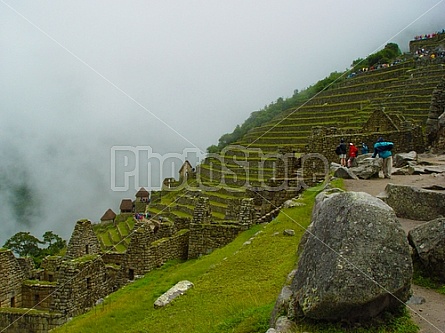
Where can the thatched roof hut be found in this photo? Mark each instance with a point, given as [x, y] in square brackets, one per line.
[126, 206]
[108, 216]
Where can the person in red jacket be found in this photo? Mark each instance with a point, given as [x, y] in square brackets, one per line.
[353, 152]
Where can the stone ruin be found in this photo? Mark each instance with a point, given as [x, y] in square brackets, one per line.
[435, 126]
[405, 135]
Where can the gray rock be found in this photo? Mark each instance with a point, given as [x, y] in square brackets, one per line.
[281, 304]
[414, 203]
[368, 168]
[177, 290]
[428, 241]
[404, 171]
[285, 325]
[356, 262]
[344, 173]
[416, 300]
[402, 159]
[271, 330]
[435, 169]
[289, 232]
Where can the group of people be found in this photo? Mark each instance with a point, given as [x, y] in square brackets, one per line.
[375, 67]
[348, 154]
[428, 36]
[141, 216]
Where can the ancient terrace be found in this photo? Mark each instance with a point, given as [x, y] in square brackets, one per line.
[225, 195]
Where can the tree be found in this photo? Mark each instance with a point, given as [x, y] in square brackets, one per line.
[24, 244]
[55, 243]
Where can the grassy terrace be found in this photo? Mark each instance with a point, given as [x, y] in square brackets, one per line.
[114, 237]
[235, 289]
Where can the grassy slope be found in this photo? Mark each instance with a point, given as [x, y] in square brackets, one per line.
[235, 288]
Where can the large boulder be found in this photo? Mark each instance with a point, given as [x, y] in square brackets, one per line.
[177, 290]
[428, 241]
[345, 173]
[355, 262]
[367, 168]
[414, 203]
[402, 159]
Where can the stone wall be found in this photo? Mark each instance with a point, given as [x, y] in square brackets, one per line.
[205, 238]
[50, 266]
[247, 216]
[11, 277]
[81, 283]
[27, 266]
[83, 241]
[202, 212]
[165, 249]
[29, 321]
[434, 131]
[138, 261]
[233, 209]
[37, 295]
[406, 136]
[429, 44]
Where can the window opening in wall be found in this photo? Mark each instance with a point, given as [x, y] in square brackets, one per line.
[50, 278]
[36, 299]
[88, 283]
[86, 249]
[131, 274]
[12, 302]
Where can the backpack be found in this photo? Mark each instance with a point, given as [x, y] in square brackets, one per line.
[387, 146]
[338, 150]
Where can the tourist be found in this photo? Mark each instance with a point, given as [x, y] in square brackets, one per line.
[341, 152]
[365, 148]
[383, 149]
[353, 151]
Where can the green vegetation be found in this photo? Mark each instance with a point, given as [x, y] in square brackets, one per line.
[114, 236]
[389, 53]
[235, 288]
[26, 245]
[274, 109]
[420, 279]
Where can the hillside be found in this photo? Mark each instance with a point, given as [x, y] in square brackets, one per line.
[346, 102]
[235, 288]
[218, 225]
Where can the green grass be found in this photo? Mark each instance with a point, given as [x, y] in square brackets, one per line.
[420, 279]
[235, 288]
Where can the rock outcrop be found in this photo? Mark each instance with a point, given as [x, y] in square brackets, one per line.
[414, 203]
[177, 290]
[355, 262]
[428, 241]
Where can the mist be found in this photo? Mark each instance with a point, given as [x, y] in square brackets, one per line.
[81, 79]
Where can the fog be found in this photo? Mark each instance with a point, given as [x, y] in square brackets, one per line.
[88, 83]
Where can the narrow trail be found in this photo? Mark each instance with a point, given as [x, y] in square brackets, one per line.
[430, 314]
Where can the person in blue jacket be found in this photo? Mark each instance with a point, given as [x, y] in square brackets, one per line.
[383, 149]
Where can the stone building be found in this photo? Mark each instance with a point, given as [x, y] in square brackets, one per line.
[142, 195]
[83, 241]
[186, 171]
[11, 278]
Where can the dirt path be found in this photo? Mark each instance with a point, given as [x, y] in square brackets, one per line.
[429, 315]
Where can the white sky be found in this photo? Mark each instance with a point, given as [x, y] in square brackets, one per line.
[79, 77]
